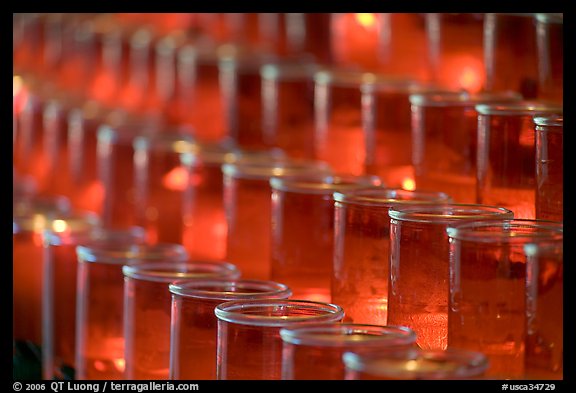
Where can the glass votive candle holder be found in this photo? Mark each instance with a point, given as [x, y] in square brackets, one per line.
[31, 216]
[549, 167]
[506, 157]
[505, 68]
[488, 298]
[248, 204]
[288, 106]
[550, 46]
[302, 246]
[241, 89]
[360, 119]
[249, 345]
[205, 232]
[545, 310]
[60, 291]
[116, 172]
[193, 332]
[416, 364]
[199, 93]
[314, 351]
[361, 263]
[444, 138]
[418, 290]
[162, 185]
[147, 311]
[100, 306]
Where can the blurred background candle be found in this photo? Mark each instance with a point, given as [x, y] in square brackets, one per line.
[288, 106]
[59, 288]
[162, 185]
[549, 42]
[30, 218]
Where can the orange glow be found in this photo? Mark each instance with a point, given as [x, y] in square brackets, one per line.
[120, 364]
[464, 72]
[408, 184]
[103, 87]
[92, 197]
[366, 20]
[176, 179]
[19, 94]
[17, 85]
[59, 226]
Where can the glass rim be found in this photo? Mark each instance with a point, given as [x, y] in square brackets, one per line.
[466, 363]
[114, 254]
[231, 312]
[177, 142]
[168, 272]
[437, 213]
[389, 196]
[545, 230]
[518, 108]
[358, 78]
[205, 289]
[534, 249]
[56, 223]
[346, 334]
[552, 120]
[290, 71]
[462, 98]
[324, 184]
[264, 170]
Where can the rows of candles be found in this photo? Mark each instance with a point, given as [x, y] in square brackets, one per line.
[288, 196]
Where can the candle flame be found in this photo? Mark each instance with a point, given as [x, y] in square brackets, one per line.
[17, 85]
[366, 20]
[408, 184]
[59, 226]
[176, 180]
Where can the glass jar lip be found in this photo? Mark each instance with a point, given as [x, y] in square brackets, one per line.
[325, 184]
[357, 78]
[40, 204]
[220, 289]
[264, 170]
[55, 223]
[444, 364]
[519, 108]
[553, 17]
[108, 252]
[133, 234]
[448, 212]
[348, 334]
[385, 197]
[463, 98]
[225, 152]
[244, 312]
[177, 141]
[124, 133]
[552, 120]
[518, 230]
[290, 70]
[168, 272]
